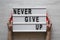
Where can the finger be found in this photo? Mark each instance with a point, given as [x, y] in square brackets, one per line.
[47, 18]
[11, 22]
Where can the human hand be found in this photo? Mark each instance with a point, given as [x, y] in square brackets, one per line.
[10, 25]
[49, 24]
[10, 22]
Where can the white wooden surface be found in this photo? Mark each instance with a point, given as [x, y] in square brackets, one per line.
[53, 10]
